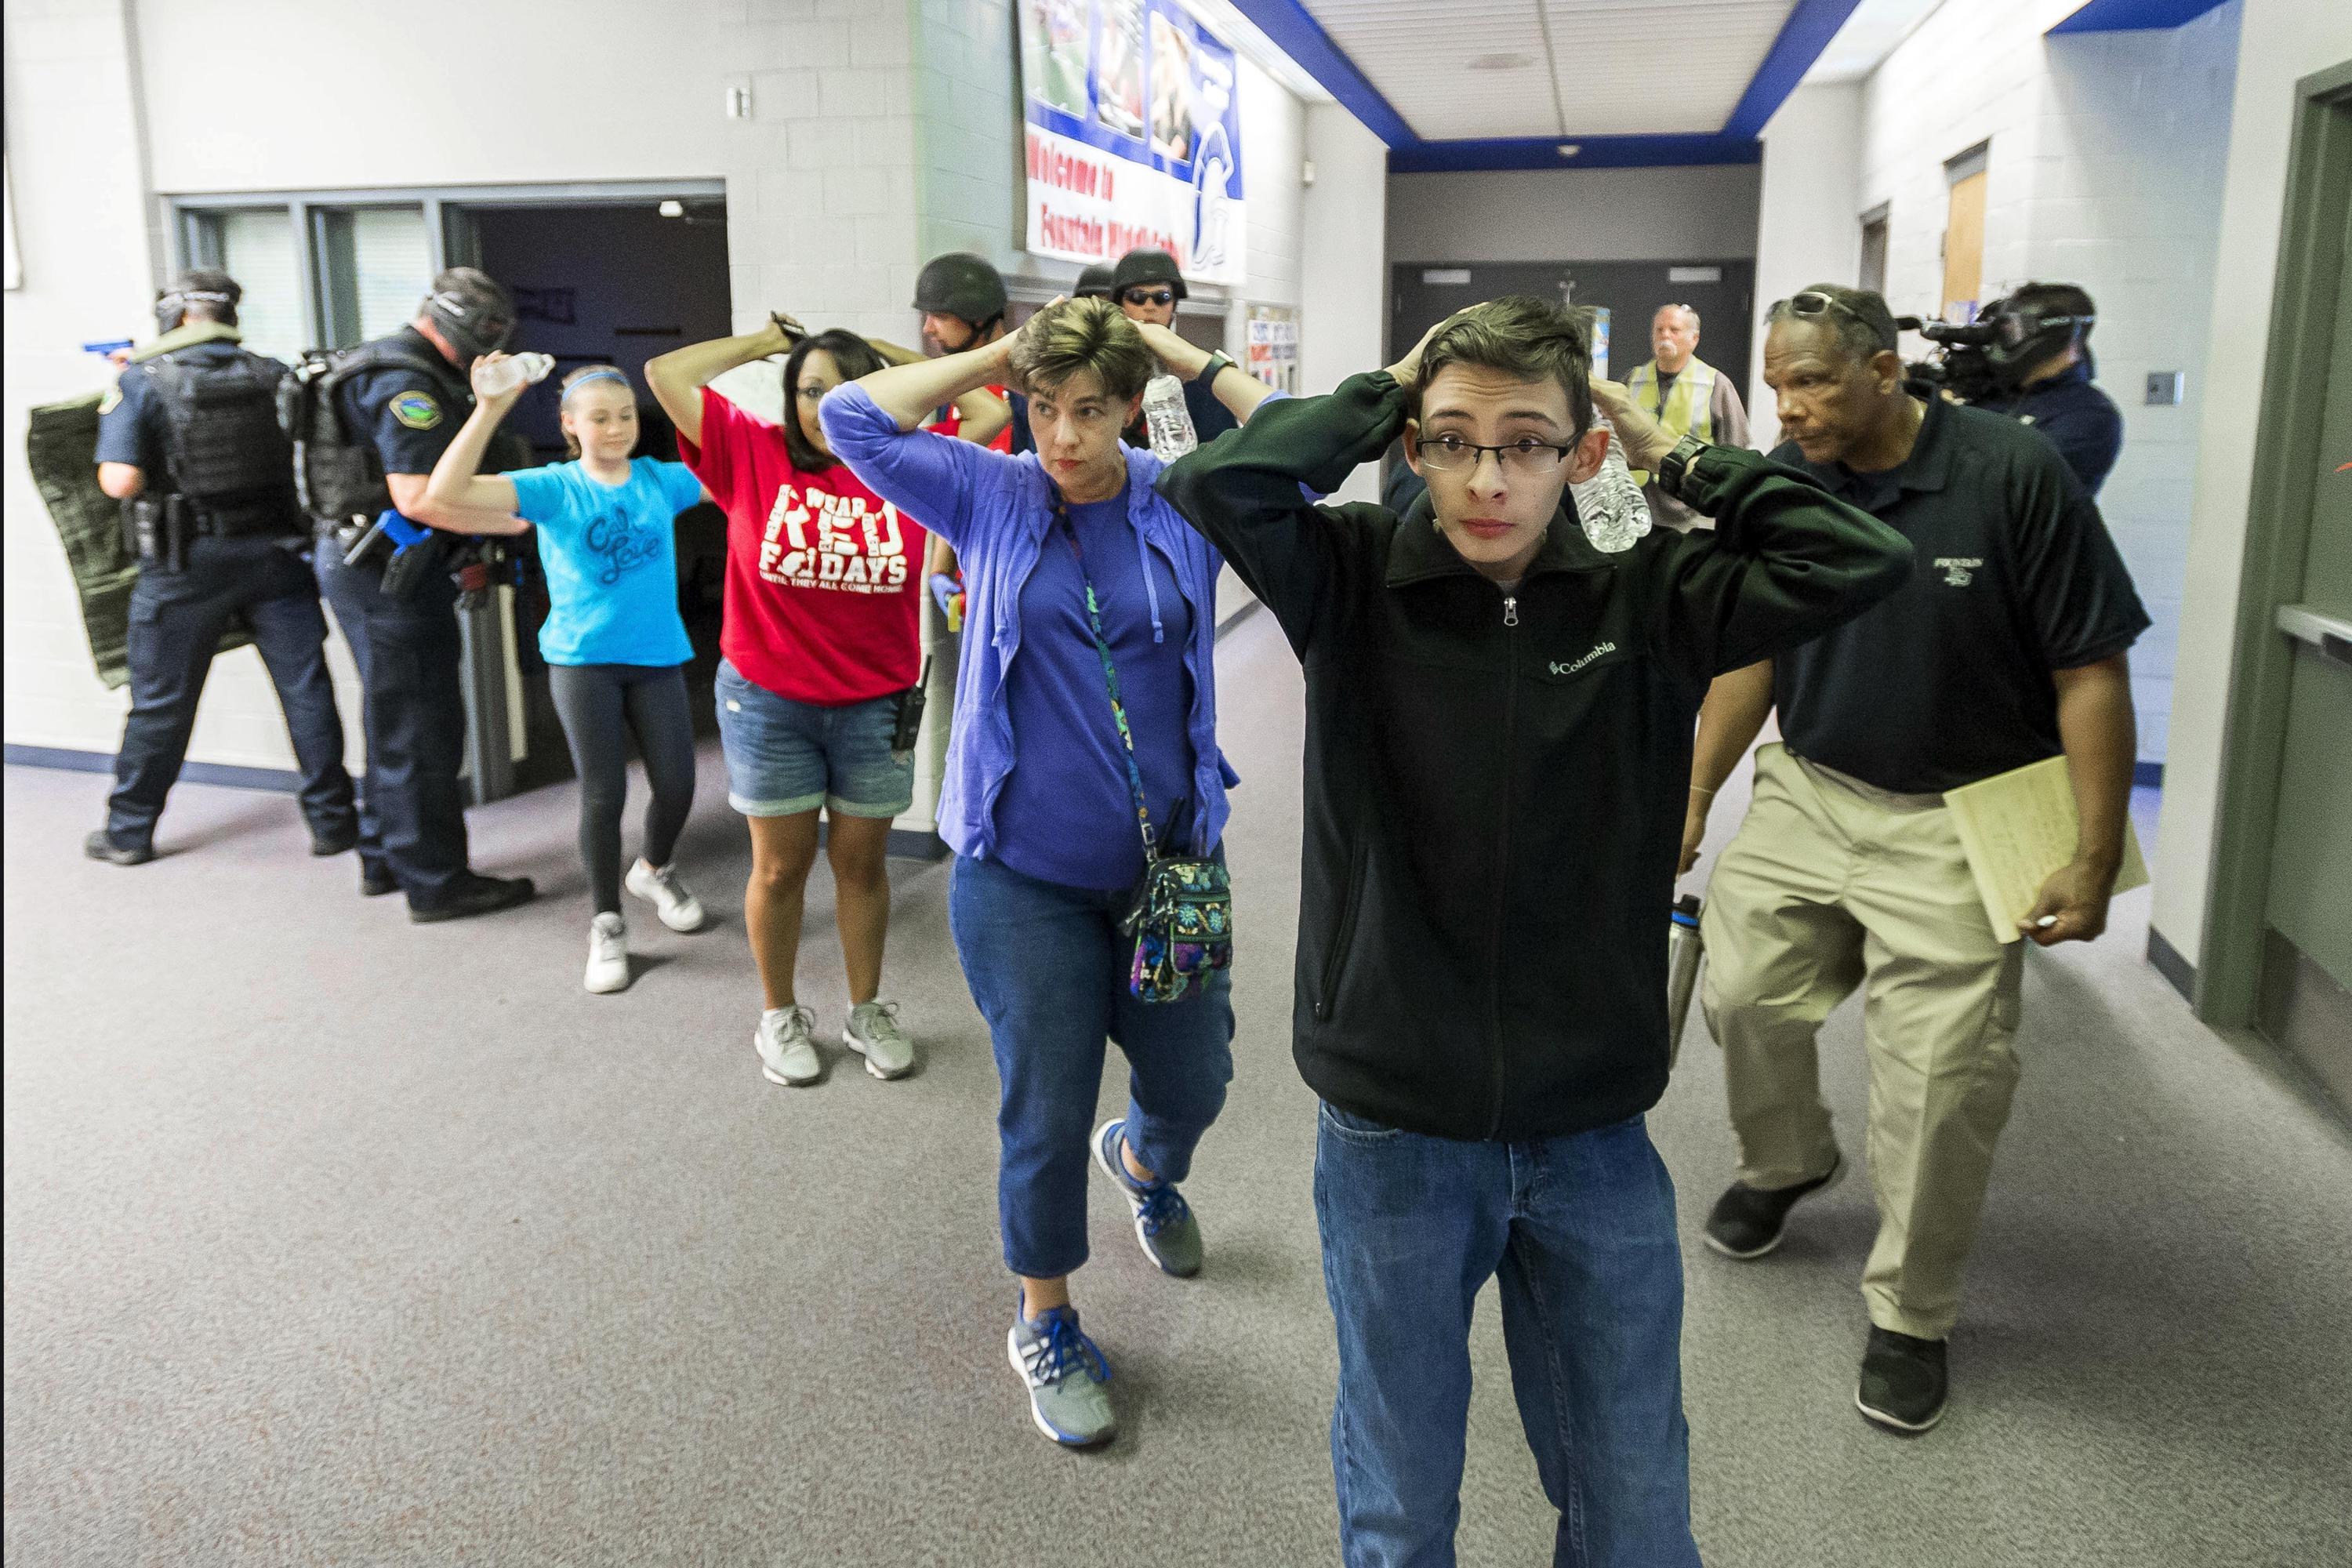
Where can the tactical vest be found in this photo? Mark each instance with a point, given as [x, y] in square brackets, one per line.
[336, 471]
[225, 455]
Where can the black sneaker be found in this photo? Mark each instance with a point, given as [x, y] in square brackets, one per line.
[334, 840]
[376, 879]
[475, 896]
[1903, 1383]
[101, 846]
[1748, 1222]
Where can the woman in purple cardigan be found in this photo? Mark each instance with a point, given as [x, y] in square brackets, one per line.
[1039, 804]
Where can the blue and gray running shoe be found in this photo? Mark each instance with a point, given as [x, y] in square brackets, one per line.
[1066, 1376]
[1164, 1225]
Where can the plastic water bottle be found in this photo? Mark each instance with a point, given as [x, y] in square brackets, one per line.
[1610, 505]
[1166, 420]
[520, 370]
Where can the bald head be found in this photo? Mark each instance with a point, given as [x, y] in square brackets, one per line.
[1673, 337]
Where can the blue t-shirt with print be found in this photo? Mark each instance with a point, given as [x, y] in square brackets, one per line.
[611, 555]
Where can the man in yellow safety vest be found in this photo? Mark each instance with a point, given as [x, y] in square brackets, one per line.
[1688, 396]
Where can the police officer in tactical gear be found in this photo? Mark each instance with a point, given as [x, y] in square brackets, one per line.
[1147, 284]
[2042, 352]
[1096, 282]
[397, 404]
[189, 442]
[964, 303]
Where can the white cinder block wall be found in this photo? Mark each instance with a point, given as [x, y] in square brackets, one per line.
[1344, 269]
[1806, 230]
[881, 132]
[2282, 42]
[2105, 158]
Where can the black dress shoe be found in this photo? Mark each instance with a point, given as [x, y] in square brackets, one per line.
[101, 846]
[376, 880]
[1748, 1222]
[335, 841]
[1903, 1383]
[475, 895]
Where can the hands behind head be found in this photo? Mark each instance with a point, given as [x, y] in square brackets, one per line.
[788, 331]
[1407, 371]
[1184, 360]
[1647, 442]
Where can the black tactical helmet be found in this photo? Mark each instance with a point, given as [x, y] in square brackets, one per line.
[1096, 282]
[215, 289]
[962, 285]
[473, 310]
[1146, 267]
[2029, 326]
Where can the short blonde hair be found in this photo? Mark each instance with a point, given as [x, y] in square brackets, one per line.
[1084, 334]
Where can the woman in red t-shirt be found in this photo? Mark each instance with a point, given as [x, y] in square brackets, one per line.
[821, 643]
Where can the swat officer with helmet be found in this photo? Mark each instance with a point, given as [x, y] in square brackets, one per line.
[964, 302]
[189, 442]
[390, 407]
[1147, 285]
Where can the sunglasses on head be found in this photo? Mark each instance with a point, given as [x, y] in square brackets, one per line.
[1812, 304]
[1148, 297]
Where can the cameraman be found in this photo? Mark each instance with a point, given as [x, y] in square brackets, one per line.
[188, 441]
[2040, 351]
[2006, 648]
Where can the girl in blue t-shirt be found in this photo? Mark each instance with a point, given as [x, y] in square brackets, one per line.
[615, 644]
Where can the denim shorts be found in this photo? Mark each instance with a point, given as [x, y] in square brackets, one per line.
[785, 757]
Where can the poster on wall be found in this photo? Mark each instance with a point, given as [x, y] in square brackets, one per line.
[1133, 115]
[1273, 346]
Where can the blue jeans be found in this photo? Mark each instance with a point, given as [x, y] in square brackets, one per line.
[1580, 1230]
[1048, 966]
[176, 621]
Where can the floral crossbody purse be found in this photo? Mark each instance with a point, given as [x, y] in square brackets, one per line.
[1182, 918]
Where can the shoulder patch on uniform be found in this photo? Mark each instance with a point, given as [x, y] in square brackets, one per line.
[111, 401]
[417, 410]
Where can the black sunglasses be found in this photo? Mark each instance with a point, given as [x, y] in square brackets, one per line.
[1148, 297]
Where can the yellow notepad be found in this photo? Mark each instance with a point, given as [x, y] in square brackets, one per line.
[2020, 826]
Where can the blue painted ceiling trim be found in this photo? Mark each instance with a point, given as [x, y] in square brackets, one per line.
[1591, 153]
[1807, 31]
[1810, 26]
[1298, 35]
[2133, 16]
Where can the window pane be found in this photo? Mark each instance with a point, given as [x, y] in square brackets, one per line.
[376, 268]
[256, 248]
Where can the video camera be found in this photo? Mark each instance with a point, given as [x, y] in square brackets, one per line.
[1991, 355]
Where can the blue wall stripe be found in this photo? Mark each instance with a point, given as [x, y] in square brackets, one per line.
[1298, 35]
[1810, 26]
[2133, 16]
[77, 762]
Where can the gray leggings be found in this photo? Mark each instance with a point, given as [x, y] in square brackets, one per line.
[600, 704]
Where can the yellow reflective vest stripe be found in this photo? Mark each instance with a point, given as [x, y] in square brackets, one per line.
[1689, 409]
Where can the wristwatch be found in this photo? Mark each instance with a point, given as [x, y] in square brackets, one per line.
[1214, 368]
[1677, 463]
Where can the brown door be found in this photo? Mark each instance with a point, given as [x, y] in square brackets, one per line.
[1964, 248]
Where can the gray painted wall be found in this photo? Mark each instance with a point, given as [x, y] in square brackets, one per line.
[1585, 214]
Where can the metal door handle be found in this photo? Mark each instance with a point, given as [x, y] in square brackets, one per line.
[2331, 635]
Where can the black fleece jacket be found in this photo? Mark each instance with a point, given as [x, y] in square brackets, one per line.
[1494, 785]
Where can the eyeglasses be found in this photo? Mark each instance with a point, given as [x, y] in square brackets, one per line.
[1527, 456]
[1148, 297]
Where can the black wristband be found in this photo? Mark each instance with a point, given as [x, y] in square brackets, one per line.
[1214, 368]
[1676, 464]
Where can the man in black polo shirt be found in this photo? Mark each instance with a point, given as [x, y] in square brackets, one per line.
[2006, 646]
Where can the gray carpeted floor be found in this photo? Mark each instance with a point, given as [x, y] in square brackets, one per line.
[330, 1239]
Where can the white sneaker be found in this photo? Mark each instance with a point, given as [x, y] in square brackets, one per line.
[679, 910]
[608, 953]
[873, 1033]
[787, 1053]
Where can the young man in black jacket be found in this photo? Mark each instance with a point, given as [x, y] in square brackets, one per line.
[1499, 724]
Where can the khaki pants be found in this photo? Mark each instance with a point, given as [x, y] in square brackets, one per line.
[1825, 887]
